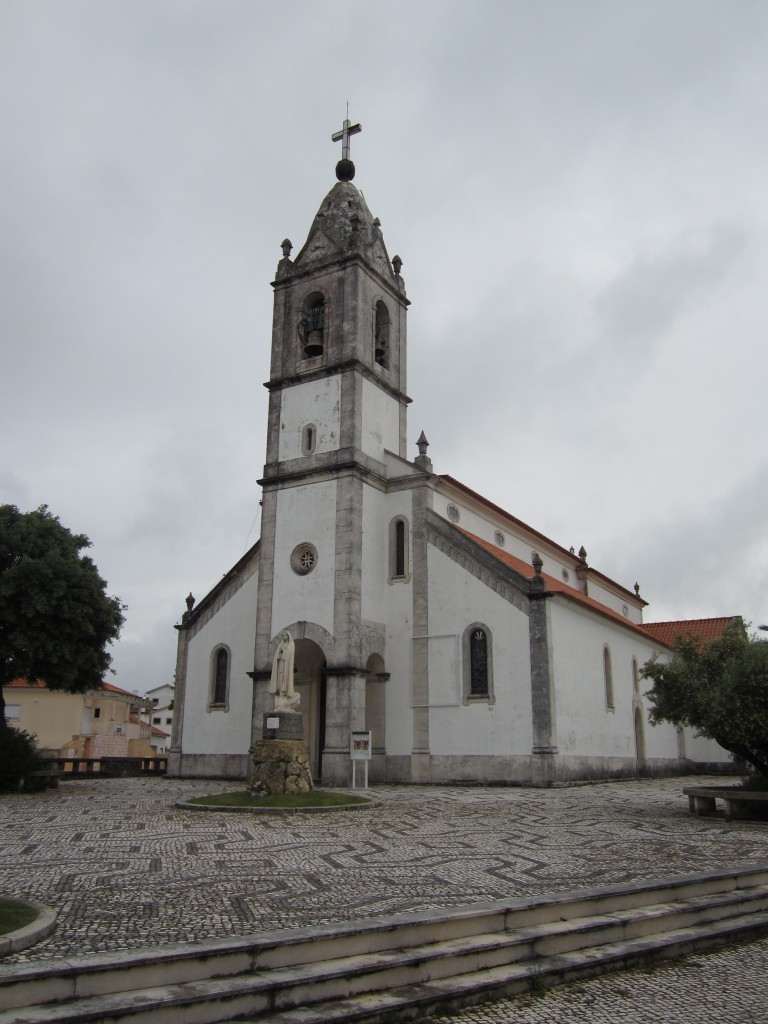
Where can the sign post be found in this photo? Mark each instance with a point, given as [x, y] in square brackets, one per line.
[359, 750]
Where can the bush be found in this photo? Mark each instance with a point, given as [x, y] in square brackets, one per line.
[18, 757]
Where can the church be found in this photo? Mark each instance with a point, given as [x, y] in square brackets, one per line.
[471, 647]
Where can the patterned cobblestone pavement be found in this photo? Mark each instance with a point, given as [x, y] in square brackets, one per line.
[125, 868]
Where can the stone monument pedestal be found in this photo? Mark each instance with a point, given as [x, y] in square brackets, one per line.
[280, 759]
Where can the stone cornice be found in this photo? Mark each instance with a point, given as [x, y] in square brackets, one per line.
[331, 369]
[508, 584]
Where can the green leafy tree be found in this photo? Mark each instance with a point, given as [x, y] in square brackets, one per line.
[719, 688]
[56, 618]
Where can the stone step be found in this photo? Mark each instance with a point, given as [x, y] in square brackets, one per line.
[248, 977]
[415, 1002]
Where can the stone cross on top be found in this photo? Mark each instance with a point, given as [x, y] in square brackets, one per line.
[347, 130]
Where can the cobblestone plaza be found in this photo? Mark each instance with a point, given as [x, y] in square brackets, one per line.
[125, 868]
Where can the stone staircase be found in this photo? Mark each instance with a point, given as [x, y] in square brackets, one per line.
[397, 968]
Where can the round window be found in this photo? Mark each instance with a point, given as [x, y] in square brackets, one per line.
[304, 558]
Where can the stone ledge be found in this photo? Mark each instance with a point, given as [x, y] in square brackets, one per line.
[256, 809]
[36, 931]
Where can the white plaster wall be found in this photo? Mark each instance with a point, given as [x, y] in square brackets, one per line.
[517, 541]
[617, 602]
[305, 514]
[218, 731]
[390, 603]
[699, 748]
[379, 510]
[585, 726]
[381, 421]
[457, 599]
[317, 402]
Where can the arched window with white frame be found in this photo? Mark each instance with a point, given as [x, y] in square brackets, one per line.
[477, 664]
[219, 682]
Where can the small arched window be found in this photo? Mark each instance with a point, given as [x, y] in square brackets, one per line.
[399, 568]
[382, 326]
[308, 439]
[312, 326]
[635, 678]
[219, 689]
[608, 678]
[477, 651]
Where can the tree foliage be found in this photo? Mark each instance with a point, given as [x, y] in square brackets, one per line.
[719, 688]
[56, 618]
[19, 755]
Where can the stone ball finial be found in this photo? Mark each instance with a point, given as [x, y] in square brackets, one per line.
[397, 264]
[345, 170]
[286, 245]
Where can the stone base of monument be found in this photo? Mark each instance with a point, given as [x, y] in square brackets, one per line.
[282, 766]
[280, 760]
[283, 725]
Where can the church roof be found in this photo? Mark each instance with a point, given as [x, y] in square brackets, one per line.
[556, 586]
[569, 555]
[703, 629]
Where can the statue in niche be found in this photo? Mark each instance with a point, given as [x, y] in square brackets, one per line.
[281, 680]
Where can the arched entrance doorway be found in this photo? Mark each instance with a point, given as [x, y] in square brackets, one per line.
[309, 682]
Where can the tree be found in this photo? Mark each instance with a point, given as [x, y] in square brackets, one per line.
[56, 619]
[719, 688]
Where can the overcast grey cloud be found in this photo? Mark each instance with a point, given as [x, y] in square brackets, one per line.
[577, 191]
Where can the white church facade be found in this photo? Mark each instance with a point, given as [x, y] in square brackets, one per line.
[472, 647]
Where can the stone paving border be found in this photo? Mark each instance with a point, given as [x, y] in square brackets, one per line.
[256, 809]
[127, 869]
[35, 931]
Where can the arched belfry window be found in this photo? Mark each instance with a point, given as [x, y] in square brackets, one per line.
[608, 678]
[219, 687]
[399, 567]
[312, 326]
[477, 658]
[382, 325]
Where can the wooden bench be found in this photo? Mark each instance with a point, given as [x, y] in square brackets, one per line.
[738, 802]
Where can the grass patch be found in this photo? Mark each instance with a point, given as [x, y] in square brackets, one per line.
[14, 915]
[316, 798]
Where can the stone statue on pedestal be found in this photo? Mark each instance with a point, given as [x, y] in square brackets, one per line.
[281, 681]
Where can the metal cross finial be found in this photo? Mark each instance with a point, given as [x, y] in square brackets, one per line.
[347, 130]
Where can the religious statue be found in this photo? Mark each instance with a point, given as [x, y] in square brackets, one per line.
[281, 680]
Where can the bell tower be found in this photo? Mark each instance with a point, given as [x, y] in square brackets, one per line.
[337, 406]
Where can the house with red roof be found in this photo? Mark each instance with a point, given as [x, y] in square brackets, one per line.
[469, 645]
[97, 723]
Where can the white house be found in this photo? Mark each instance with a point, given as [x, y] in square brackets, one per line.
[474, 648]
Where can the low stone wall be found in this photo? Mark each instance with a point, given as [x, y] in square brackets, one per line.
[282, 766]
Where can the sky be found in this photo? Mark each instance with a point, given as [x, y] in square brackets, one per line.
[577, 191]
